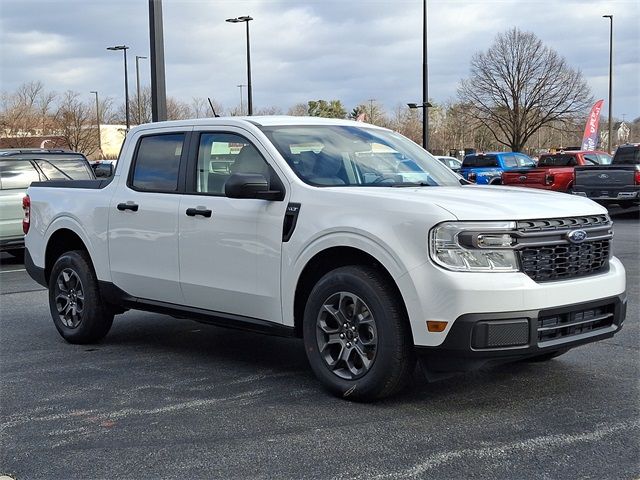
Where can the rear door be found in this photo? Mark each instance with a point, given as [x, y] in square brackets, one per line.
[143, 218]
[230, 248]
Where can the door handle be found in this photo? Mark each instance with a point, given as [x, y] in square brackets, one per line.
[128, 206]
[192, 212]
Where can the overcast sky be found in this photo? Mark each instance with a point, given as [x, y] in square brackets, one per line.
[352, 50]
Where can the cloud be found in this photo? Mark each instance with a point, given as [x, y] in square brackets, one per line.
[307, 49]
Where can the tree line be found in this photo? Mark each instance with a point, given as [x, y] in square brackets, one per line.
[520, 94]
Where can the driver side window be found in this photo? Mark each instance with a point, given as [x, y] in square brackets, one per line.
[221, 155]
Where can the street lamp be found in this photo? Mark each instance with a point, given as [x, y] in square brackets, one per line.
[425, 123]
[98, 120]
[610, 17]
[425, 80]
[124, 49]
[241, 106]
[246, 19]
[138, 57]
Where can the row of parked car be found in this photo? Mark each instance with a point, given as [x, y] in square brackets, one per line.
[593, 174]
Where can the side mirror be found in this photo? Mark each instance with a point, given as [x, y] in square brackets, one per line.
[250, 185]
[103, 170]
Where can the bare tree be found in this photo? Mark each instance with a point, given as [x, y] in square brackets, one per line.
[75, 124]
[519, 85]
[272, 110]
[200, 108]
[408, 122]
[24, 113]
[298, 110]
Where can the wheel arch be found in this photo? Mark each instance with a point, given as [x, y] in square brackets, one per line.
[61, 241]
[329, 259]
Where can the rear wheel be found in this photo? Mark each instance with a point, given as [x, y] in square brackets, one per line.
[77, 309]
[356, 335]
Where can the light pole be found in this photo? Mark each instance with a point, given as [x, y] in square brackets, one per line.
[610, 17]
[138, 57]
[241, 106]
[246, 19]
[425, 123]
[124, 49]
[98, 120]
[425, 81]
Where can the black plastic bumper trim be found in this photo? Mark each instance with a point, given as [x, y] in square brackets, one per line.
[34, 271]
[457, 353]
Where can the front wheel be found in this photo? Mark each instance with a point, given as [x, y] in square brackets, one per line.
[77, 309]
[357, 336]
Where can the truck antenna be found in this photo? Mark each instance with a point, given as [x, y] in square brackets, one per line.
[212, 109]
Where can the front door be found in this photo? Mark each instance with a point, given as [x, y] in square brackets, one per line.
[230, 248]
[143, 219]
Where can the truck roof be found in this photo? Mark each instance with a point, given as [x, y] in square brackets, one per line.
[260, 121]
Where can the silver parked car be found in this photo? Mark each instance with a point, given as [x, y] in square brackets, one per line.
[20, 167]
[451, 162]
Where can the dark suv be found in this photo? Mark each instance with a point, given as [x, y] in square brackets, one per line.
[20, 167]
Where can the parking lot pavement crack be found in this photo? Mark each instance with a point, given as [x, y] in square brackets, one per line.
[531, 445]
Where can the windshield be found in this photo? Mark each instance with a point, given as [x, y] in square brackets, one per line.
[65, 169]
[332, 155]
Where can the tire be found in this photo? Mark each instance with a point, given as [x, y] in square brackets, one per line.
[375, 356]
[545, 357]
[77, 309]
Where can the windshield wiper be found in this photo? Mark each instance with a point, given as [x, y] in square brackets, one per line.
[412, 184]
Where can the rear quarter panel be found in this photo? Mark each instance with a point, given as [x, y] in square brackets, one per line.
[83, 211]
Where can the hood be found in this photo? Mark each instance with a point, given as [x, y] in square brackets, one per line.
[473, 202]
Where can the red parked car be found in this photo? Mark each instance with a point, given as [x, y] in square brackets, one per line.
[555, 171]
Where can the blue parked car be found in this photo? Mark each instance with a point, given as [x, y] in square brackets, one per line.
[487, 168]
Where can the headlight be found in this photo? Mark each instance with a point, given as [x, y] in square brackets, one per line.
[474, 246]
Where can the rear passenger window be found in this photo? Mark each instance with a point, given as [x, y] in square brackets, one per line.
[480, 161]
[157, 163]
[17, 174]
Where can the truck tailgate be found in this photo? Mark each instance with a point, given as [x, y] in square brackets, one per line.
[525, 177]
[604, 177]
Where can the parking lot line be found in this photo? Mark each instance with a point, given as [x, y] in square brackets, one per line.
[13, 271]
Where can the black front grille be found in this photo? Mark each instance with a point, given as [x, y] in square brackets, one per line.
[568, 223]
[556, 262]
[554, 327]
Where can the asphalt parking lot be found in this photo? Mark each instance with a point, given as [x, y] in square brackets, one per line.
[167, 398]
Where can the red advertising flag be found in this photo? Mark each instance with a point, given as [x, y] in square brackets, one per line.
[590, 137]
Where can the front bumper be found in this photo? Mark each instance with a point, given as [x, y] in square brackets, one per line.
[476, 340]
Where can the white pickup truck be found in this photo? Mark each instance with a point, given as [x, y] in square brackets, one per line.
[345, 234]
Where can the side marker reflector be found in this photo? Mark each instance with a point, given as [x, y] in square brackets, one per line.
[434, 326]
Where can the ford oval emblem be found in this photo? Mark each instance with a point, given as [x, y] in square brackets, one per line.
[577, 236]
[522, 178]
[603, 176]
